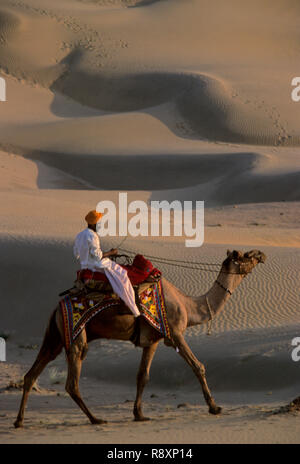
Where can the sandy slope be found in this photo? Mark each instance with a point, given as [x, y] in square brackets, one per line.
[245, 382]
[248, 357]
[166, 100]
[223, 87]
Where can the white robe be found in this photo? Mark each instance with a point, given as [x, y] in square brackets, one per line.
[87, 249]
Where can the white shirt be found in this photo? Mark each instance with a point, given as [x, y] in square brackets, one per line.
[87, 249]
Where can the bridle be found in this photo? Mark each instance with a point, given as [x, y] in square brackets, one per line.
[224, 288]
[242, 272]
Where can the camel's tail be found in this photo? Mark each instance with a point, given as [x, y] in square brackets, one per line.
[52, 339]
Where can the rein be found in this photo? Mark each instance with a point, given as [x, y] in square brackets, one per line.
[211, 317]
[183, 264]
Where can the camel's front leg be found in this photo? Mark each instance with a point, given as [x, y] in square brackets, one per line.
[199, 370]
[142, 379]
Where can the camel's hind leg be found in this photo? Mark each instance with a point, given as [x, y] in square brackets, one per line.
[50, 349]
[75, 357]
[142, 379]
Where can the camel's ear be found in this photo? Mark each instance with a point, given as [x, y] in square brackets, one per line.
[237, 254]
[228, 252]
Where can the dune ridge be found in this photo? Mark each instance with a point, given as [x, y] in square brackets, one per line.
[211, 106]
[121, 3]
[166, 100]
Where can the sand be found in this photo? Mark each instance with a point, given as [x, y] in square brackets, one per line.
[165, 100]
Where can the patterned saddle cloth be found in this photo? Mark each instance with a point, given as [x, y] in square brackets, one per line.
[78, 310]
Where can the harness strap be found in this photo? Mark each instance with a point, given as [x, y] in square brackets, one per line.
[224, 288]
[211, 317]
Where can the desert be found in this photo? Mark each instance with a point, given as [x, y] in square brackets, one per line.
[175, 100]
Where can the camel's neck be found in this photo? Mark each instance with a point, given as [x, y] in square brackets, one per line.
[202, 309]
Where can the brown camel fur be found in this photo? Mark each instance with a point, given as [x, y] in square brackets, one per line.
[118, 323]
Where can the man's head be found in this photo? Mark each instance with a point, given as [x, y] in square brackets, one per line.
[92, 218]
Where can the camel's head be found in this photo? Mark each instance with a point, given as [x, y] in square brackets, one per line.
[242, 263]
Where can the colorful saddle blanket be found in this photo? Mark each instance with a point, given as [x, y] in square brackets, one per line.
[77, 311]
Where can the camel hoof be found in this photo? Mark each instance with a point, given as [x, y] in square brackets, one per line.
[215, 410]
[98, 421]
[18, 424]
[141, 419]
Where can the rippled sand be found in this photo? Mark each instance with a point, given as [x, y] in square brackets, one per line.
[165, 100]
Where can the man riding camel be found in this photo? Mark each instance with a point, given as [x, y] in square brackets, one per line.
[87, 249]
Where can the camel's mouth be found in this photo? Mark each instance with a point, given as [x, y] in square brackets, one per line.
[243, 263]
[256, 254]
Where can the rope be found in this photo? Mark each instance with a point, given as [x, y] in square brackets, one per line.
[178, 262]
[209, 324]
[121, 243]
[181, 263]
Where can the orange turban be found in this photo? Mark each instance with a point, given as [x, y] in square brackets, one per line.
[93, 217]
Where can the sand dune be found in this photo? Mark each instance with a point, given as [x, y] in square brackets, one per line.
[121, 3]
[52, 130]
[268, 298]
[207, 105]
[167, 100]
[9, 23]
[213, 104]
[214, 178]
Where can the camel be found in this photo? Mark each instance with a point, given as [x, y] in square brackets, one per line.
[118, 323]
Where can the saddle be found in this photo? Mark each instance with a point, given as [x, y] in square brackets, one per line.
[93, 293]
[141, 274]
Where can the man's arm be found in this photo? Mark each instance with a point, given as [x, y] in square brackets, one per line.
[76, 251]
[112, 252]
[96, 251]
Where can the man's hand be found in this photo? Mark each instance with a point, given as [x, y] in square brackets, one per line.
[113, 252]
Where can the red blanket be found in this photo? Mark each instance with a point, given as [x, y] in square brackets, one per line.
[138, 272]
